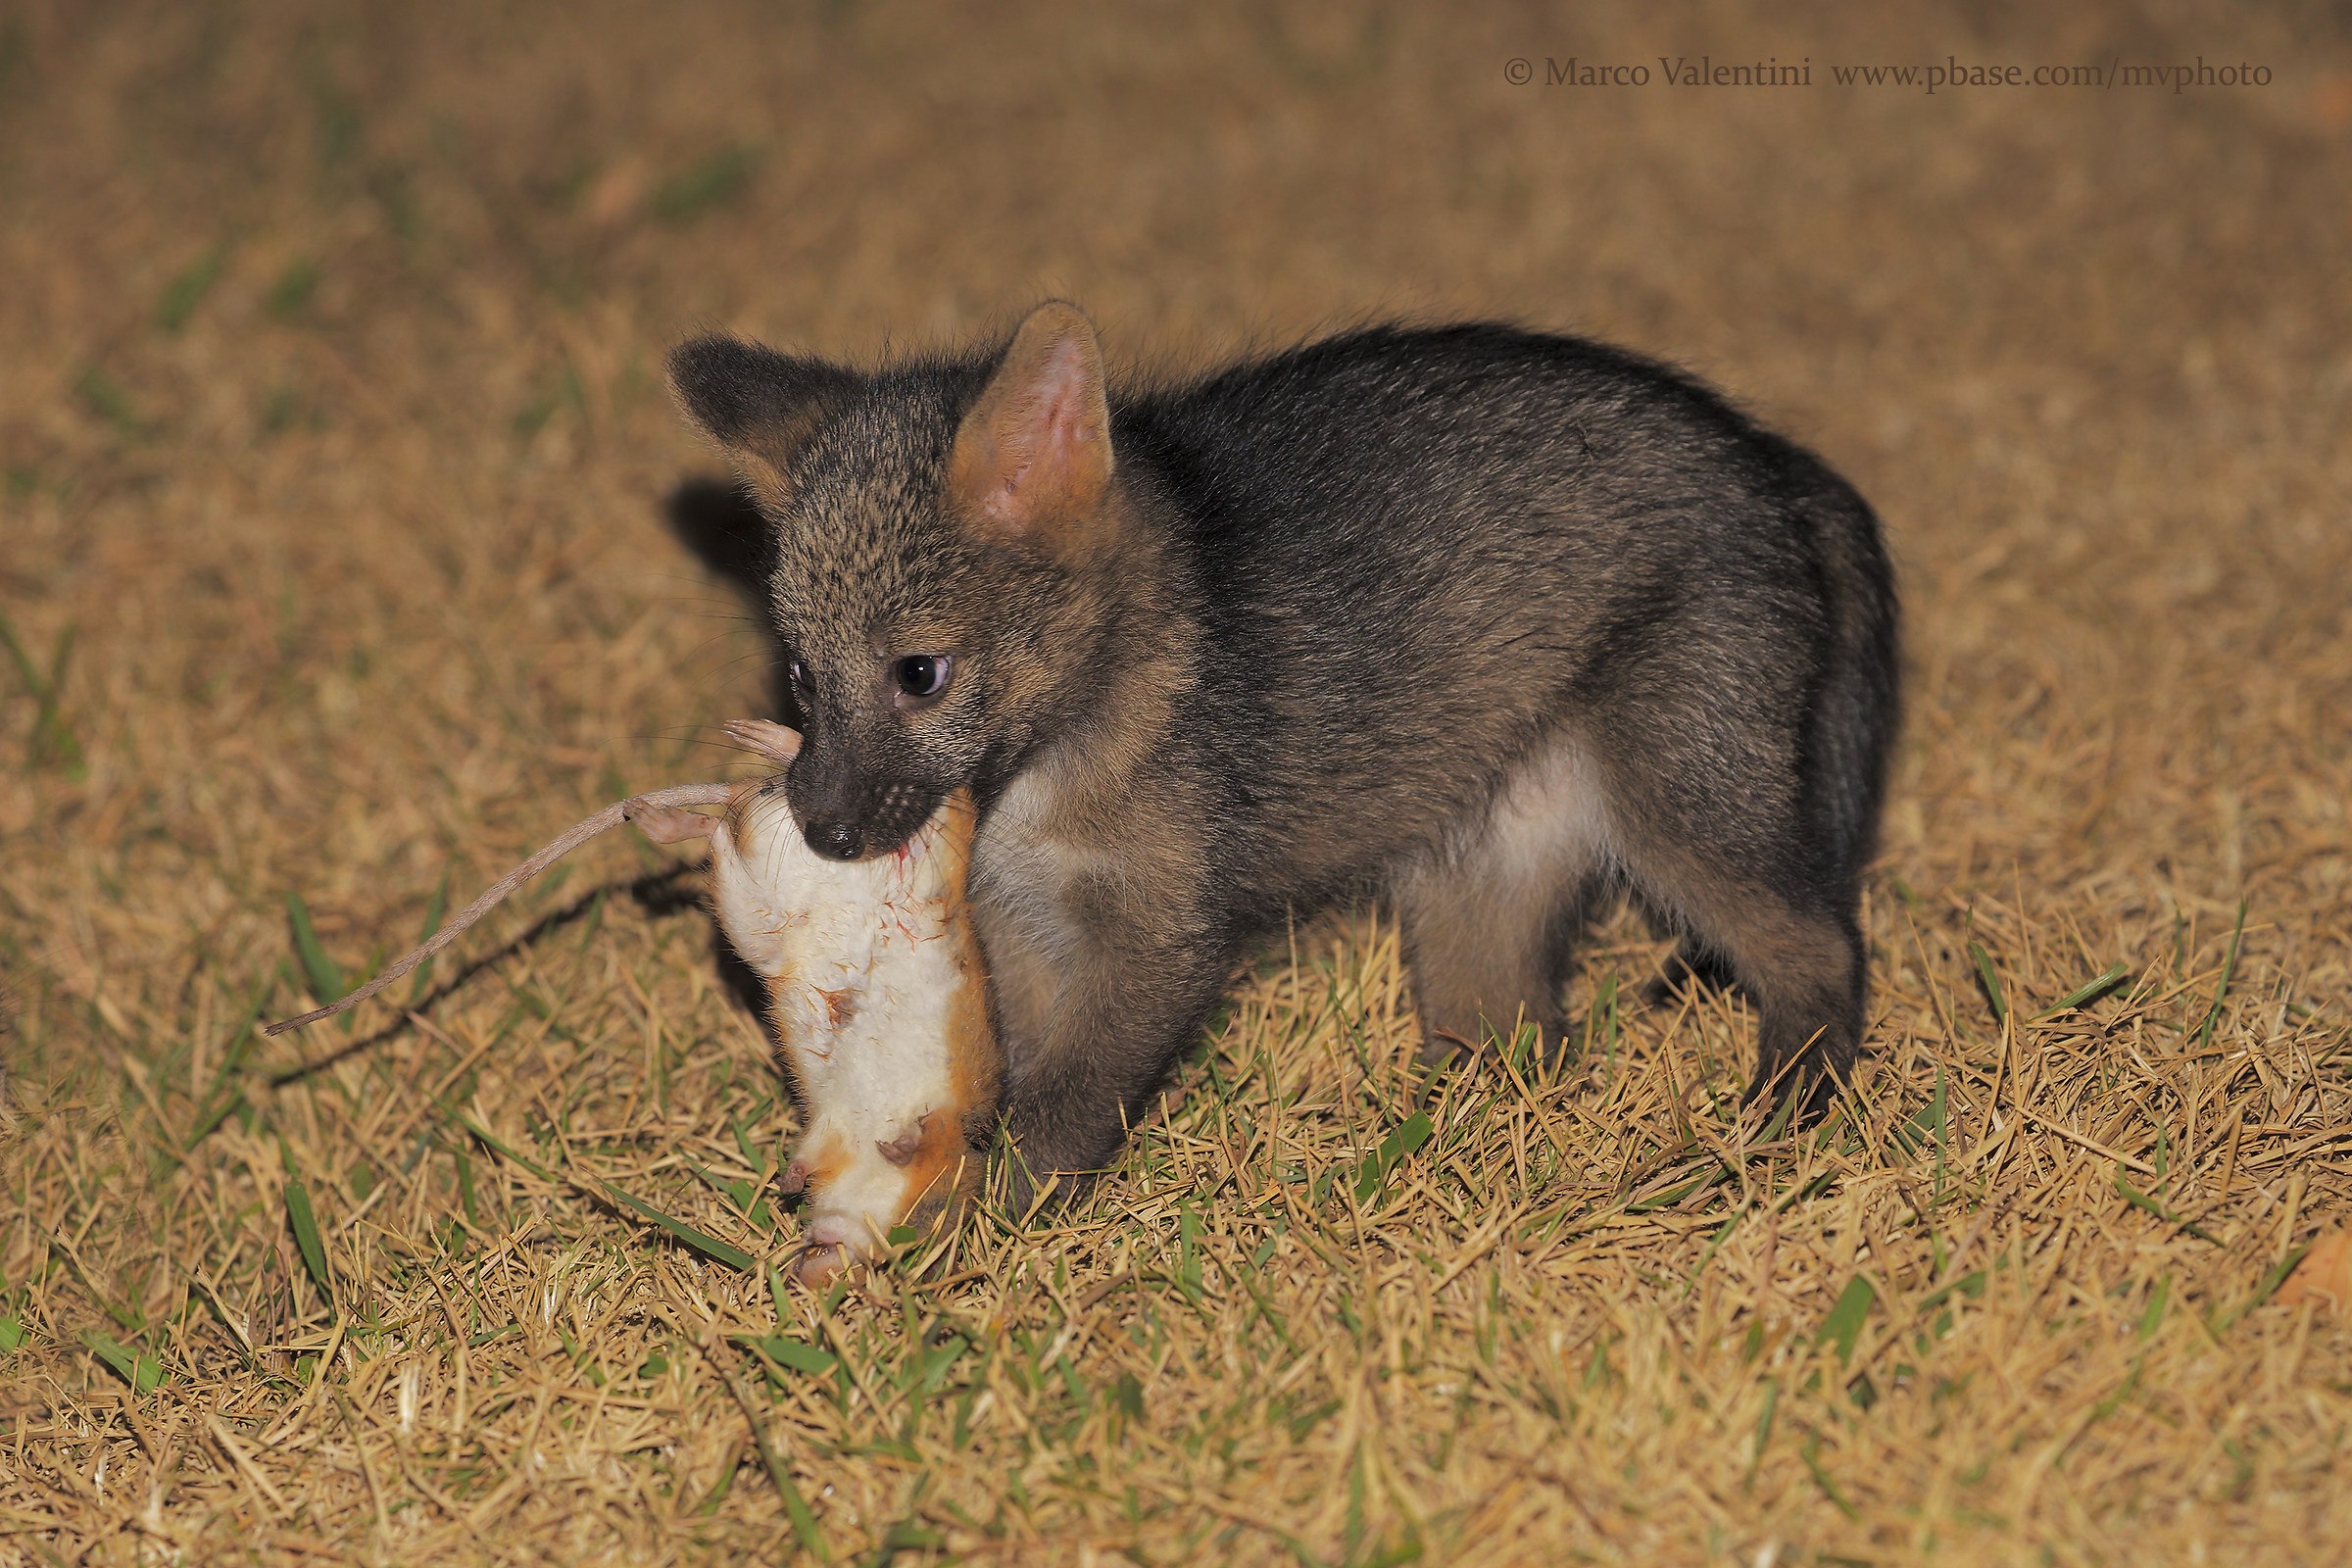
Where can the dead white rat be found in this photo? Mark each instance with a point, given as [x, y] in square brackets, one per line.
[879, 998]
[878, 995]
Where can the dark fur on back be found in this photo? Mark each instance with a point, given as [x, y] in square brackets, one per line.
[1466, 618]
[1380, 524]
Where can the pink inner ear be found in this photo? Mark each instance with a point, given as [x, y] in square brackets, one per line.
[1050, 431]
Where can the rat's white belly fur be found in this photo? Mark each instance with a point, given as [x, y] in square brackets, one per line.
[857, 960]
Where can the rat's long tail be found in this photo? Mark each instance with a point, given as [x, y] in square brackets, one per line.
[611, 817]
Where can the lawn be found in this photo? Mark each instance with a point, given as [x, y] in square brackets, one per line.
[337, 570]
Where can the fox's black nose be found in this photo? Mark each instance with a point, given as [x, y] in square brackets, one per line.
[840, 840]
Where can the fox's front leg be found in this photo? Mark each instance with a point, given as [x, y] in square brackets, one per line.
[1096, 1010]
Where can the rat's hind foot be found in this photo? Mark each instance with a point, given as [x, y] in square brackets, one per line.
[821, 1263]
[669, 824]
[777, 743]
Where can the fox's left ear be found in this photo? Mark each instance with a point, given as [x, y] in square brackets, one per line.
[1032, 459]
[758, 404]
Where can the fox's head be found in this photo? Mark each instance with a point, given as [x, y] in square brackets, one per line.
[946, 540]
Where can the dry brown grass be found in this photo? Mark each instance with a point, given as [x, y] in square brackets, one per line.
[334, 450]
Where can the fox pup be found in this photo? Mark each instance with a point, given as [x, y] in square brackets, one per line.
[879, 1001]
[1479, 621]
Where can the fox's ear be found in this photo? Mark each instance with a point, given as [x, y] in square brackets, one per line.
[758, 404]
[1032, 459]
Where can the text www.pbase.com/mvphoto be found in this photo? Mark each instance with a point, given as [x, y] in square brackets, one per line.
[1703, 71]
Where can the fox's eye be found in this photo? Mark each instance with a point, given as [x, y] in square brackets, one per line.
[922, 676]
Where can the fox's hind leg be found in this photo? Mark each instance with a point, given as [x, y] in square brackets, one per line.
[1736, 876]
[1487, 914]
[1805, 967]
[1483, 959]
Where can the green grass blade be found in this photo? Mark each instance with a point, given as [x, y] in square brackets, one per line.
[293, 289]
[1811, 1453]
[715, 181]
[1409, 1135]
[785, 1351]
[52, 738]
[210, 1122]
[1970, 1285]
[1991, 982]
[796, 1506]
[2213, 1014]
[2266, 1285]
[1843, 1326]
[306, 1234]
[710, 1247]
[187, 290]
[318, 971]
[143, 1372]
[2139, 1200]
[27, 670]
[2089, 991]
[1675, 1195]
[104, 396]
[112, 1353]
[1763, 1437]
[433, 913]
[220, 1101]
[467, 1198]
[498, 1146]
[1924, 1126]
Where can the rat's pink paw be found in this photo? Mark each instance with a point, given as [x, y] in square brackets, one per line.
[669, 824]
[820, 1266]
[778, 742]
[834, 1242]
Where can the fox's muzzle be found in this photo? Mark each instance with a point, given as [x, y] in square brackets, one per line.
[846, 813]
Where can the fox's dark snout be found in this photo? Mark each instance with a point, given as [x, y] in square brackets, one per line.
[842, 841]
[847, 813]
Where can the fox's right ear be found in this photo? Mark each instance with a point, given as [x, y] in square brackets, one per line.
[758, 404]
[1032, 460]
